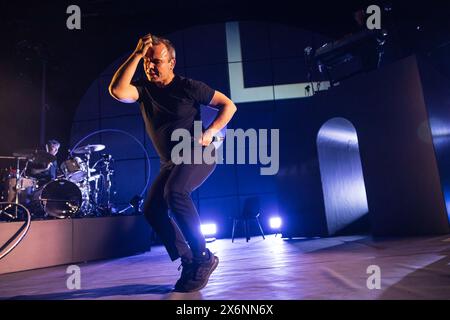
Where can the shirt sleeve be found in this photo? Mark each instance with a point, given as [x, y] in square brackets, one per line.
[53, 170]
[201, 92]
[139, 84]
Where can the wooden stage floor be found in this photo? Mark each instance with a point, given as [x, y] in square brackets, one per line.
[271, 269]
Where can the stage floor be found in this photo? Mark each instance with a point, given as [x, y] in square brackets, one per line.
[271, 269]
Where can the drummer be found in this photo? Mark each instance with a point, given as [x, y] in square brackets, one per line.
[45, 171]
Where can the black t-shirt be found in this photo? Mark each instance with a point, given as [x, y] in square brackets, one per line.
[172, 107]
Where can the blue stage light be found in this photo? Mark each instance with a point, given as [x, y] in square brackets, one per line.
[275, 222]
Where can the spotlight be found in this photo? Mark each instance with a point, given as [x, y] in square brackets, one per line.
[275, 222]
[209, 229]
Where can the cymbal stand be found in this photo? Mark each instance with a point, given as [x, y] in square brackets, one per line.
[87, 206]
[109, 173]
[95, 191]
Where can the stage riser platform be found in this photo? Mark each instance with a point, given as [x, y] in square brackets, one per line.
[57, 242]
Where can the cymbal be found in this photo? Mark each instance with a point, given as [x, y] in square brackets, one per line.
[89, 148]
[27, 153]
[35, 155]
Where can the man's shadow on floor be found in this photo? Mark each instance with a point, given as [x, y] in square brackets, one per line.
[124, 290]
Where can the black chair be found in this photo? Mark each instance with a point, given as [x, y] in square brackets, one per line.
[251, 211]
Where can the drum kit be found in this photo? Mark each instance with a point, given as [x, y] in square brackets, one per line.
[80, 190]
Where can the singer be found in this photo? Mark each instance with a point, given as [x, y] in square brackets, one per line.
[169, 102]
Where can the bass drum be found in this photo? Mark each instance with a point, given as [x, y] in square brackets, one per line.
[60, 198]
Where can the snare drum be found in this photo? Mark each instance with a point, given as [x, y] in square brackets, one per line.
[26, 182]
[74, 169]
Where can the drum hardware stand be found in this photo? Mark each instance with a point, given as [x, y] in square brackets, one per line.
[18, 187]
[95, 193]
[86, 206]
[93, 198]
[109, 173]
[90, 205]
[106, 207]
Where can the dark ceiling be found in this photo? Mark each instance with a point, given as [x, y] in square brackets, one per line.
[110, 28]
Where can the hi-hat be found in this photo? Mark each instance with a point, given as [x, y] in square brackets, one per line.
[89, 148]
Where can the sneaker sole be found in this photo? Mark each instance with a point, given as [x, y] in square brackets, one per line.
[216, 263]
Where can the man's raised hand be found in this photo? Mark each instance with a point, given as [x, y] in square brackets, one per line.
[144, 44]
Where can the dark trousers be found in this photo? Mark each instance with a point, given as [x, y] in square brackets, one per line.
[172, 190]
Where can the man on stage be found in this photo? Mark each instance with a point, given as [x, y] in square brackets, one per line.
[169, 102]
